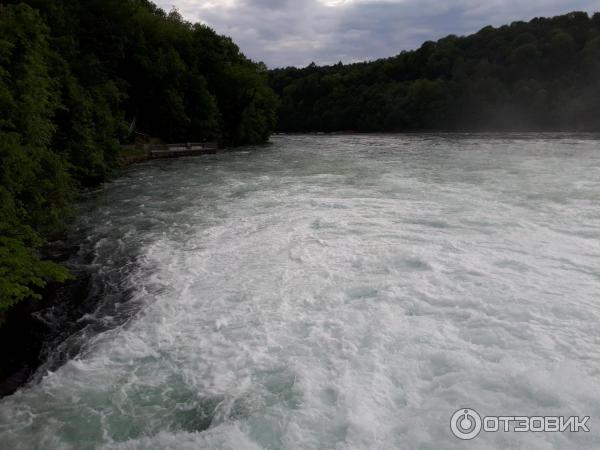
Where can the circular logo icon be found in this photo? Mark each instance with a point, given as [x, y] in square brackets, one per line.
[465, 424]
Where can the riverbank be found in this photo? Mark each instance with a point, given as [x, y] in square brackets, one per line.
[36, 328]
[33, 326]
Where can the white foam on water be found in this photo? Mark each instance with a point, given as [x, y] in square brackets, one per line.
[340, 292]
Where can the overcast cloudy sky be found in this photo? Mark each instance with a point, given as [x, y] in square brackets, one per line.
[297, 32]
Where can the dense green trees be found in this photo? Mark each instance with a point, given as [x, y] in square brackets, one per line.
[74, 74]
[35, 187]
[540, 75]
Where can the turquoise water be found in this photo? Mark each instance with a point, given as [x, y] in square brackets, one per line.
[334, 292]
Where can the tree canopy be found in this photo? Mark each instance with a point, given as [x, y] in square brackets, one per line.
[540, 75]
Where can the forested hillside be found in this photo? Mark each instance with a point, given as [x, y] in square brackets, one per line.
[541, 75]
[75, 75]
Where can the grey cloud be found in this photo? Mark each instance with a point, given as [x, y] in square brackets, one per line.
[270, 4]
[297, 32]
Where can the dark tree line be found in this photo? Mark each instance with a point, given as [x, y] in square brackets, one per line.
[540, 75]
[74, 76]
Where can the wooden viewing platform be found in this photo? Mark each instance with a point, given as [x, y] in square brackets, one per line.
[185, 149]
[142, 147]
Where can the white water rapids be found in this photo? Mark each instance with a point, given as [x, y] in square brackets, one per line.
[335, 292]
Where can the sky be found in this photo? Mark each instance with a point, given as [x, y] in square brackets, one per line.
[297, 32]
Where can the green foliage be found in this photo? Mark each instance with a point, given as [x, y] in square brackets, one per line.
[21, 272]
[73, 75]
[544, 74]
[35, 188]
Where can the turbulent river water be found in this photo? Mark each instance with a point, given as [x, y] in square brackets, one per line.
[333, 292]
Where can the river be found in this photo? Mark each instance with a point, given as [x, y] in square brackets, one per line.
[333, 292]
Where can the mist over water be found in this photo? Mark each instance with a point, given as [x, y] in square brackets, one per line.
[334, 292]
